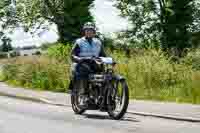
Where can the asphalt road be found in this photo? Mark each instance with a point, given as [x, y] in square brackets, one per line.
[18, 116]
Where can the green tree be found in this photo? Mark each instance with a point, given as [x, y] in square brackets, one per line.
[76, 14]
[169, 21]
[8, 21]
[176, 33]
[195, 26]
[8, 16]
[145, 18]
[68, 15]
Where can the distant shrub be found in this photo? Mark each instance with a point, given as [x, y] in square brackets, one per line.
[60, 52]
[37, 53]
[13, 54]
[3, 55]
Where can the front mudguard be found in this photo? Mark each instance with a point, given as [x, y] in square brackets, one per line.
[118, 77]
[70, 87]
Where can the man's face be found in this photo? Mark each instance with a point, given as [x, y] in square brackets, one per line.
[89, 33]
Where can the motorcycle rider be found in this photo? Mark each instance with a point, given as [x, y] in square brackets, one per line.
[84, 49]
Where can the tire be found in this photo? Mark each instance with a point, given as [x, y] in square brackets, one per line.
[124, 100]
[74, 102]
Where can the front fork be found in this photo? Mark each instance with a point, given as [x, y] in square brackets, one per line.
[112, 88]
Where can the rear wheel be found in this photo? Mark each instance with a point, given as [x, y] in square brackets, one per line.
[118, 99]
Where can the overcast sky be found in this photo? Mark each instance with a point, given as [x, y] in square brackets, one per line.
[106, 16]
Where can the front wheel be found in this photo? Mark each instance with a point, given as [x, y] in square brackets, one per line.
[75, 102]
[118, 99]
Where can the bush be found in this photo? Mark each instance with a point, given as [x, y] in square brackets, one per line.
[14, 54]
[3, 55]
[193, 59]
[37, 53]
[60, 52]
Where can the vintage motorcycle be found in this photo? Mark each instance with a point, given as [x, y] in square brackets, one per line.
[108, 92]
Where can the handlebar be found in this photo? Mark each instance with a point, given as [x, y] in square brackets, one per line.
[99, 60]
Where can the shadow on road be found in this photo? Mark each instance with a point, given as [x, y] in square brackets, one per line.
[103, 117]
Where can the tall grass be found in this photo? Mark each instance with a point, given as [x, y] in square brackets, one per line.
[42, 73]
[150, 75]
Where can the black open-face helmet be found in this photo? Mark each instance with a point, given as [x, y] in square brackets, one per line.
[89, 26]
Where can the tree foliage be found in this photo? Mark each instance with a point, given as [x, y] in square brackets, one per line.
[7, 22]
[195, 26]
[7, 15]
[176, 32]
[143, 15]
[169, 21]
[68, 15]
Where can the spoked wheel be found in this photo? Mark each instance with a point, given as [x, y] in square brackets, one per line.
[75, 98]
[118, 99]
